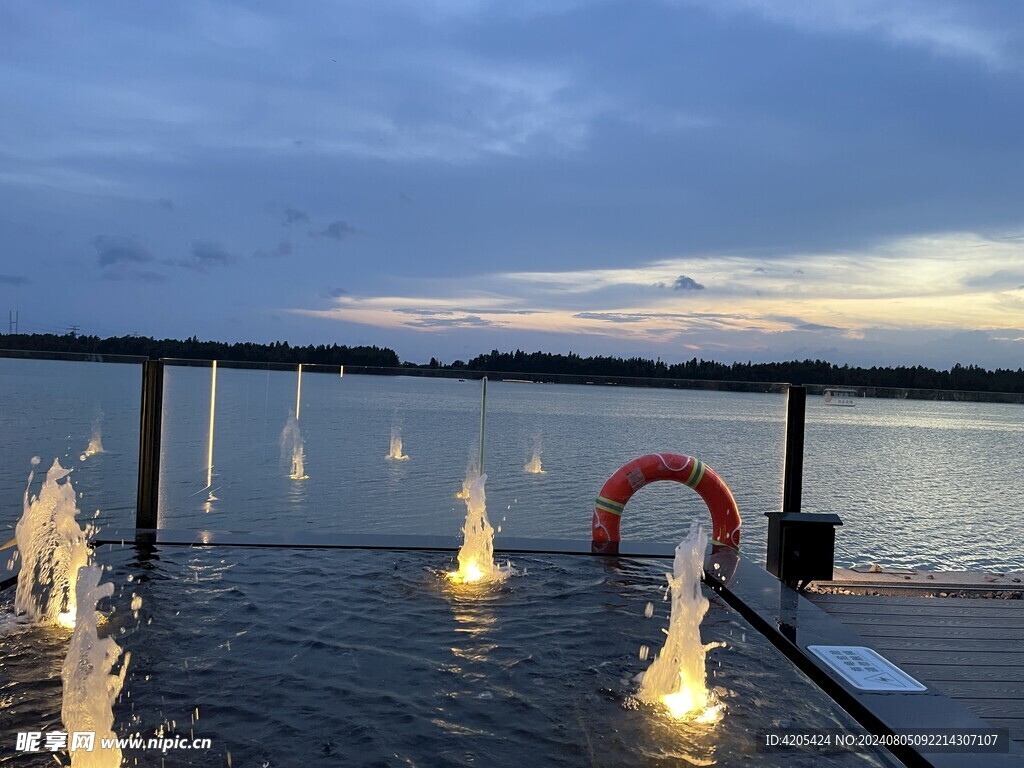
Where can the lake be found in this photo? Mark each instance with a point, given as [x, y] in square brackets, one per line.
[918, 484]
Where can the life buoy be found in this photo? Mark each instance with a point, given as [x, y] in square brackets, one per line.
[725, 515]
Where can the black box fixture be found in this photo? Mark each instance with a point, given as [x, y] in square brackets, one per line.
[801, 546]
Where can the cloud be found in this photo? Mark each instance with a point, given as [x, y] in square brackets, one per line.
[459, 310]
[684, 283]
[1002, 279]
[815, 327]
[206, 254]
[612, 317]
[13, 280]
[334, 293]
[336, 230]
[293, 216]
[940, 27]
[166, 203]
[469, 321]
[112, 250]
[284, 248]
[841, 300]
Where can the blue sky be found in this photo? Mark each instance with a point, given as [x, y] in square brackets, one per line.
[727, 179]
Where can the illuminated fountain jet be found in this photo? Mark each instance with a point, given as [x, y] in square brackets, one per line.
[476, 556]
[52, 547]
[677, 677]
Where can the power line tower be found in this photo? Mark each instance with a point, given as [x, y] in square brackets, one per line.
[12, 321]
[73, 331]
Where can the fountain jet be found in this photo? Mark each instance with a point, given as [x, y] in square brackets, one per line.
[395, 454]
[533, 466]
[89, 687]
[677, 677]
[95, 441]
[293, 449]
[476, 556]
[52, 548]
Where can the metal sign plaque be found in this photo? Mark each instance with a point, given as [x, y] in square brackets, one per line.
[865, 669]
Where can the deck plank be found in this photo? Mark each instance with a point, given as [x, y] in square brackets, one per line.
[969, 621]
[913, 643]
[972, 689]
[956, 657]
[941, 674]
[932, 630]
[870, 603]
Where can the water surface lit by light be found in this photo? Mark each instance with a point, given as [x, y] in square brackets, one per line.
[371, 658]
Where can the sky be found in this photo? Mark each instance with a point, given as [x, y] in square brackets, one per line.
[724, 179]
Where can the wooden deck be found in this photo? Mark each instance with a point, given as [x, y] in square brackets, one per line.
[970, 649]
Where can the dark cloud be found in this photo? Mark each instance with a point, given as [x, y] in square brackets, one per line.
[799, 325]
[337, 230]
[815, 327]
[284, 248]
[612, 317]
[13, 280]
[335, 293]
[1003, 279]
[684, 283]
[294, 216]
[205, 255]
[470, 321]
[112, 250]
[423, 312]
[505, 311]
[166, 203]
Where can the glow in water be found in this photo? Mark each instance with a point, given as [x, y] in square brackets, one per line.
[89, 687]
[476, 556]
[293, 449]
[52, 548]
[96, 440]
[395, 453]
[677, 677]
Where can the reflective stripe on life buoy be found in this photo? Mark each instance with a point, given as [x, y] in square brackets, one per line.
[725, 515]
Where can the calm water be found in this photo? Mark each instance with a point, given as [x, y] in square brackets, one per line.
[918, 484]
[299, 658]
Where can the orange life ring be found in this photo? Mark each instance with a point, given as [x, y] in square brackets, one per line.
[725, 515]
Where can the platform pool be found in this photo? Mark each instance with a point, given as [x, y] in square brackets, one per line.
[372, 658]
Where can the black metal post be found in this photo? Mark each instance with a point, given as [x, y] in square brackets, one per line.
[794, 468]
[148, 499]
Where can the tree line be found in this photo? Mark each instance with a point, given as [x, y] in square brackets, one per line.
[194, 349]
[821, 372]
[537, 364]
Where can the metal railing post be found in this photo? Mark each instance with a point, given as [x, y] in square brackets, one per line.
[148, 498]
[793, 472]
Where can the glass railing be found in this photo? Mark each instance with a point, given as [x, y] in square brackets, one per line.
[579, 435]
[922, 478]
[80, 410]
[336, 468]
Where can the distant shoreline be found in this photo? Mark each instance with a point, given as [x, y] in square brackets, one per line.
[959, 384]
